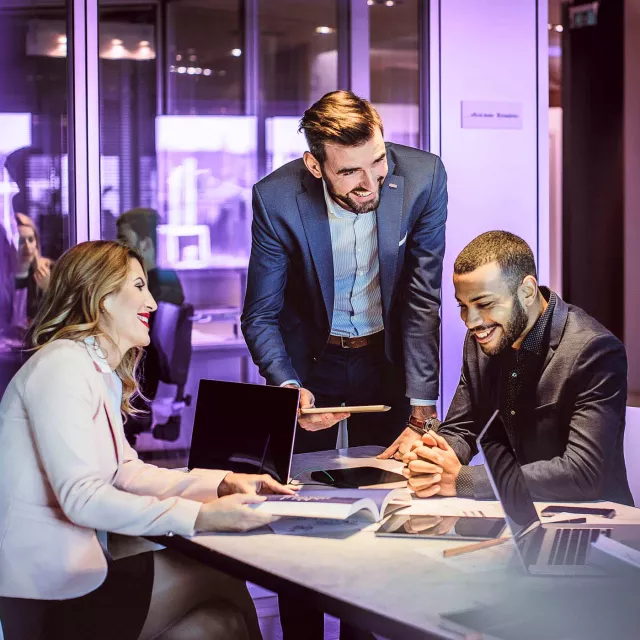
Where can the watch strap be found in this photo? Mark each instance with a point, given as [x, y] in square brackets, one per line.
[422, 426]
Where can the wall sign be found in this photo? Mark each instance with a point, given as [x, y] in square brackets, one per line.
[491, 115]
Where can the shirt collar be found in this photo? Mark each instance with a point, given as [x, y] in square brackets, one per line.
[333, 207]
[97, 354]
[534, 340]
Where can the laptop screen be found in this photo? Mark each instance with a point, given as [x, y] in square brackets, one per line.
[506, 478]
[246, 428]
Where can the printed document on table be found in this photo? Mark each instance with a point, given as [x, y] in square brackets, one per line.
[462, 507]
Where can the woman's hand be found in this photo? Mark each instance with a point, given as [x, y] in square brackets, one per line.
[232, 513]
[251, 484]
[42, 272]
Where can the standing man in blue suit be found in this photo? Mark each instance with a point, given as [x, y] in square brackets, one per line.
[343, 292]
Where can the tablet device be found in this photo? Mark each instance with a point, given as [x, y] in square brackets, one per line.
[441, 527]
[356, 477]
[370, 408]
[553, 509]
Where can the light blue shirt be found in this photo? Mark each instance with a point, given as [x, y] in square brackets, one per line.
[357, 299]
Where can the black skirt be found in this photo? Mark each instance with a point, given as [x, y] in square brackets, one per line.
[116, 609]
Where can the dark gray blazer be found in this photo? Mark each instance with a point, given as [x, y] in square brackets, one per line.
[288, 307]
[572, 448]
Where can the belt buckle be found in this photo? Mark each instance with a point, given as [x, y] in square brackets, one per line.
[342, 344]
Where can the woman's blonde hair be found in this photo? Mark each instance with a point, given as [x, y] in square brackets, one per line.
[80, 281]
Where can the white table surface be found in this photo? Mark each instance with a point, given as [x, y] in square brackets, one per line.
[405, 589]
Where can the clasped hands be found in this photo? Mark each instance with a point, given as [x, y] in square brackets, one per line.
[432, 467]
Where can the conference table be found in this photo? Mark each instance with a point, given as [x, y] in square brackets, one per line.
[405, 589]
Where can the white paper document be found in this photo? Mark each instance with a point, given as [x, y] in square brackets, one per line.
[462, 507]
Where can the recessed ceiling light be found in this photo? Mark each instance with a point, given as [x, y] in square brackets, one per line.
[236, 53]
[324, 30]
[559, 28]
[62, 39]
[389, 3]
[116, 42]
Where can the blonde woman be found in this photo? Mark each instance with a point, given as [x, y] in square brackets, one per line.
[33, 273]
[67, 474]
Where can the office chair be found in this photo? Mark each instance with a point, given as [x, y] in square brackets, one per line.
[167, 360]
[171, 335]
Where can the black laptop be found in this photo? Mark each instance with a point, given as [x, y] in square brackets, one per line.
[544, 549]
[246, 428]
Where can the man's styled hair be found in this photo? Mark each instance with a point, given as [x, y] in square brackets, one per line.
[144, 222]
[513, 255]
[339, 117]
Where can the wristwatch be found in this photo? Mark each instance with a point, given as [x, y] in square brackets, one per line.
[422, 426]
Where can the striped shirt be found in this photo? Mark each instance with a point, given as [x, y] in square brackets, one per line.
[357, 301]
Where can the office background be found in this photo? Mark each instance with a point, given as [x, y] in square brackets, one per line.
[181, 105]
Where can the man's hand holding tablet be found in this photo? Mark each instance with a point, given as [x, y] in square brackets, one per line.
[316, 421]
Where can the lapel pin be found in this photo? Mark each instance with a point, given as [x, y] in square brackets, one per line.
[392, 185]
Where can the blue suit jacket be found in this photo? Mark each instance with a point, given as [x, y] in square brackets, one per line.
[288, 307]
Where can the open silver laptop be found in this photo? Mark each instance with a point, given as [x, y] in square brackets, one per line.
[544, 549]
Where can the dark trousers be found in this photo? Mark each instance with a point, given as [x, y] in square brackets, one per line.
[355, 377]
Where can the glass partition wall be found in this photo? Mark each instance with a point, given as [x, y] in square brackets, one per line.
[35, 225]
[178, 107]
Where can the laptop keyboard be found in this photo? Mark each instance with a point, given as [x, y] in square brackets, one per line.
[570, 545]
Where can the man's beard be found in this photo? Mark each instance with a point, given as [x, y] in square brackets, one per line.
[511, 330]
[347, 202]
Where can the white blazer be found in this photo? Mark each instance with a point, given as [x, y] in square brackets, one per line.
[66, 470]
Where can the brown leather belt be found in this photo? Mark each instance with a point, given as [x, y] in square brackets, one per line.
[356, 343]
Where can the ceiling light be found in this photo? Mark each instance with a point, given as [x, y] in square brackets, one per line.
[389, 3]
[324, 30]
[144, 43]
[116, 42]
[182, 69]
[236, 53]
[62, 39]
[549, 26]
[559, 28]
[178, 58]
[206, 72]
[370, 3]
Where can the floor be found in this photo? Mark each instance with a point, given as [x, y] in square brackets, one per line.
[267, 607]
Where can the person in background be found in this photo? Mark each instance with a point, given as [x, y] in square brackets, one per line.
[558, 377]
[138, 229]
[7, 280]
[67, 475]
[32, 275]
